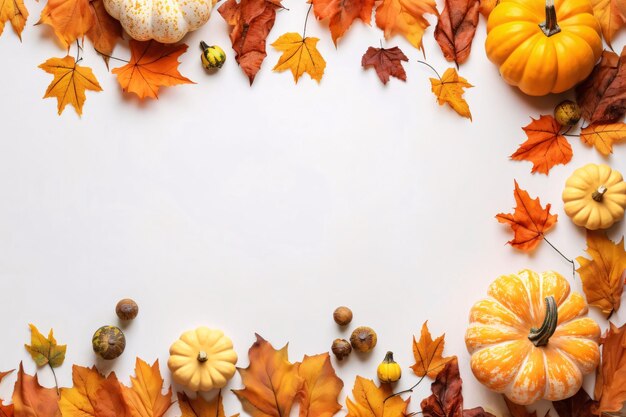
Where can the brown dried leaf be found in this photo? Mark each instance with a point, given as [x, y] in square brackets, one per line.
[386, 62]
[456, 28]
[580, 405]
[610, 390]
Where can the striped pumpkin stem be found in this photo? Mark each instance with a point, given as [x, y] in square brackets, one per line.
[541, 336]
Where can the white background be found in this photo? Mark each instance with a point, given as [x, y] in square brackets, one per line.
[261, 209]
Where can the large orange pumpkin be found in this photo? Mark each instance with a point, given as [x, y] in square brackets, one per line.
[531, 338]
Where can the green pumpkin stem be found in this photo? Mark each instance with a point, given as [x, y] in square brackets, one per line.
[389, 358]
[203, 45]
[550, 26]
[540, 336]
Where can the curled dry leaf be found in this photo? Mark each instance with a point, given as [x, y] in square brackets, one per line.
[69, 83]
[603, 275]
[251, 21]
[603, 137]
[405, 17]
[611, 15]
[428, 354]
[30, 399]
[15, 12]
[342, 13]
[456, 28]
[450, 89]
[145, 397]
[529, 221]
[386, 62]
[609, 391]
[602, 96]
[44, 350]
[545, 147]
[152, 65]
[199, 407]
[369, 400]
[299, 56]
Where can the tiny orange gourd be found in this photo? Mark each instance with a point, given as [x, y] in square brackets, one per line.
[531, 338]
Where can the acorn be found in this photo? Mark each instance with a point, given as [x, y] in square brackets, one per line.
[363, 339]
[342, 316]
[126, 309]
[567, 113]
[108, 342]
[341, 348]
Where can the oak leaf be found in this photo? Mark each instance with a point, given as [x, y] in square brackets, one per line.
[251, 21]
[299, 56]
[602, 96]
[31, 399]
[603, 275]
[199, 407]
[428, 354]
[405, 17]
[152, 65]
[321, 387]
[105, 31]
[450, 89]
[44, 350]
[610, 389]
[92, 395]
[70, 19]
[579, 405]
[145, 398]
[529, 222]
[386, 62]
[15, 12]
[545, 147]
[369, 400]
[456, 28]
[69, 83]
[271, 381]
[603, 137]
[342, 13]
[5, 410]
[611, 15]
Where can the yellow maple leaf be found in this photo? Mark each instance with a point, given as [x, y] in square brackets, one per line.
[70, 19]
[321, 387]
[199, 407]
[44, 350]
[428, 354]
[299, 56]
[69, 83]
[145, 398]
[603, 137]
[602, 274]
[449, 89]
[372, 401]
[15, 12]
[405, 17]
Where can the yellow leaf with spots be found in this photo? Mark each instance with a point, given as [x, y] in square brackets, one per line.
[45, 350]
[299, 56]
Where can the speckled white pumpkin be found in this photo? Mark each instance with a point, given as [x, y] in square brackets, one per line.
[165, 21]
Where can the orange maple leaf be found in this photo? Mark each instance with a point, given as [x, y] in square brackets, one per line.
[529, 222]
[199, 407]
[152, 65]
[15, 12]
[5, 410]
[271, 381]
[31, 399]
[611, 15]
[428, 354]
[545, 147]
[405, 17]
[69, 83]
[372, 401]
[70, 19]
[449, 89]
[145, 398]
[609, 391]
[321, 387]
[602, 275]
[603, 137]
[299, 56]
[105, 31]
[342, 13]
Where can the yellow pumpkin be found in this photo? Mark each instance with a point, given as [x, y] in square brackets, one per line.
[202, 359]
[543, 46]
[530, 338]
[595, 196]
[388, 370]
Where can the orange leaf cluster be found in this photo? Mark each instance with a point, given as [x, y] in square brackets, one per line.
[372, 401]
[611, 15]
[199, 407]
[342, 13]
[405, 17]
[428, 354]
[272, 384]
[545, 147]
[602, 275]
[611, 375]
[529, 222]
[450, 89]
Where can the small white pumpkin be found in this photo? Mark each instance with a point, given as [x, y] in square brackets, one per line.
[165, 21]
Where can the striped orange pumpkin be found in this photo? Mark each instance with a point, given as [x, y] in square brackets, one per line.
[531, 339]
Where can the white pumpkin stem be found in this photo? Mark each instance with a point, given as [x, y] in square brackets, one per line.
[550, 26]
[599, 193]
[202, 356]
[541, 336]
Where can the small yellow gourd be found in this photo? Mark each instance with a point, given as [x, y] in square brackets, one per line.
[202, 359]
[213, 57]
[595, 196]
[389, 371]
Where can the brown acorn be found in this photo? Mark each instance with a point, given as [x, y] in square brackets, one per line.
[341, 348]
[342, 316]
[126, 309]
[108, 342]
[363, 339]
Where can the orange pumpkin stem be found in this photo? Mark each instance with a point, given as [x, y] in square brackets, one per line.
[550, 26]
[541, 336]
